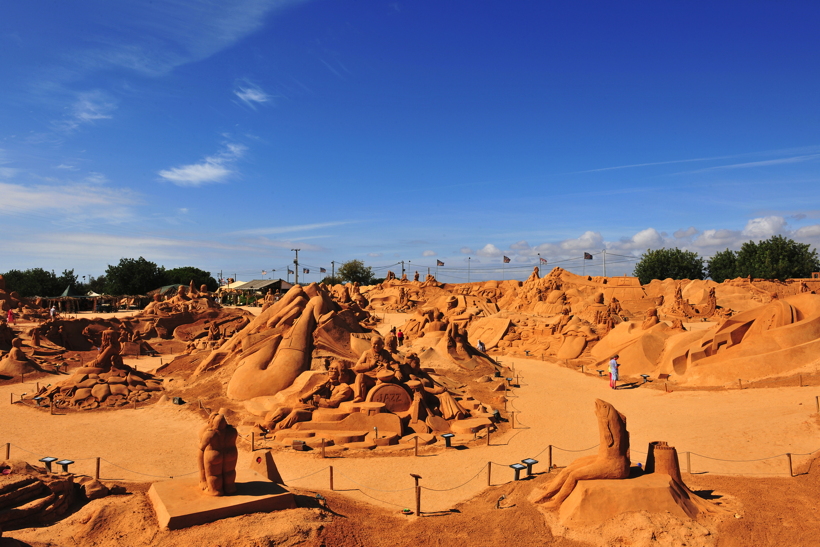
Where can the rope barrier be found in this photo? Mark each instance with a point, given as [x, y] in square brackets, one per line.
[147, 474]
[739, 461]
[371, 488]
[306, 476]
[382, 501]
[459, 486]
[568, 450]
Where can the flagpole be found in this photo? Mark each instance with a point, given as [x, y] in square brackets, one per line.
[604, 262]
[584, 264]
[468, 268]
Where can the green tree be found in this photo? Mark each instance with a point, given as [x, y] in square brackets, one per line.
[330, 280]
[96, 284]
[355, 270]
[69, 279]
[777, 258]
[668, 263]
[133, 276]
[722, 266]
[33, 282]
[185, 274]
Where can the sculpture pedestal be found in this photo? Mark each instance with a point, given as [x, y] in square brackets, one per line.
[180, 503]
[594, 501]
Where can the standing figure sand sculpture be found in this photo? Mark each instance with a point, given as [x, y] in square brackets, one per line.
[611, 462]
[218, 455]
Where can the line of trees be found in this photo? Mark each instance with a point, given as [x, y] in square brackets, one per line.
[775, 258]
[129, 276]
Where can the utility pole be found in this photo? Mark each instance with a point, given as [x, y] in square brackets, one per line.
[539, 264]
[333, 269]
[296, 264]
[604, 262]
[402, 268]
[468, 268]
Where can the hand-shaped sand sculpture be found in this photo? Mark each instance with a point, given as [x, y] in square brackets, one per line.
[611, 462]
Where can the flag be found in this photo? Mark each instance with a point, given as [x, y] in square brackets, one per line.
[305, 271]
[439, 263]
[264, 272]
[322, 270]
[290, 272]
[506, 259]
[587, 256]
[543, 261]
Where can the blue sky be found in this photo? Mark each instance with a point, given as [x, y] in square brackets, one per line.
[223, 134]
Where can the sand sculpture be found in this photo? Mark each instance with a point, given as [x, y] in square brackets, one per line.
[611, 462]
[16, 362]
[29, 496]
[218, 456]
[594, 489]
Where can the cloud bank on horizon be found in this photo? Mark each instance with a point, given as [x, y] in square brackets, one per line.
[224, 135]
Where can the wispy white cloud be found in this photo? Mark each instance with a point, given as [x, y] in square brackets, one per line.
[763, 163]
[66, 167]
[212, 169]
[428, 253]
[374, 255]
[87, 200]
[288, 229]
[251, 94]
[87, 108]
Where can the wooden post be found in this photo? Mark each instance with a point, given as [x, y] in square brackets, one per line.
[38, 385]
[739, 384]
[666, 387]
[417, 445]
[512, 418]
[8, 450]
[817, 402]
[253, 441]
[791, 470]
[323, 449]
[689, 462]
[488, 436]
[489, 473]
[418, 501]
[549, 458]
[97, 471]
[11, 400]
[331, 477]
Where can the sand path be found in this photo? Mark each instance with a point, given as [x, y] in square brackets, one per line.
[554, 404]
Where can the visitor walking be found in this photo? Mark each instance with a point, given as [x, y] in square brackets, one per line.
[53, 312]
[481, 347]
[400, 337]
[10, 317]
[613, 371]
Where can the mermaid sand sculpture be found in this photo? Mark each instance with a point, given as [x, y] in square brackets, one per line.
[611, 462]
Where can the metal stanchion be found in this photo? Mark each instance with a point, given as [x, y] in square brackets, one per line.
[97, 471]
[489, 473]
[791, 470]
[331, 477]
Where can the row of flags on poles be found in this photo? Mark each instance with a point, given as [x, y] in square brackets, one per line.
[587, 256]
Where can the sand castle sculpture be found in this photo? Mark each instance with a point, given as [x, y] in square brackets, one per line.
[593, 489]
[218, 456]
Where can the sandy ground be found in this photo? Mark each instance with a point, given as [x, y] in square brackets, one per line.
[554, 406]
